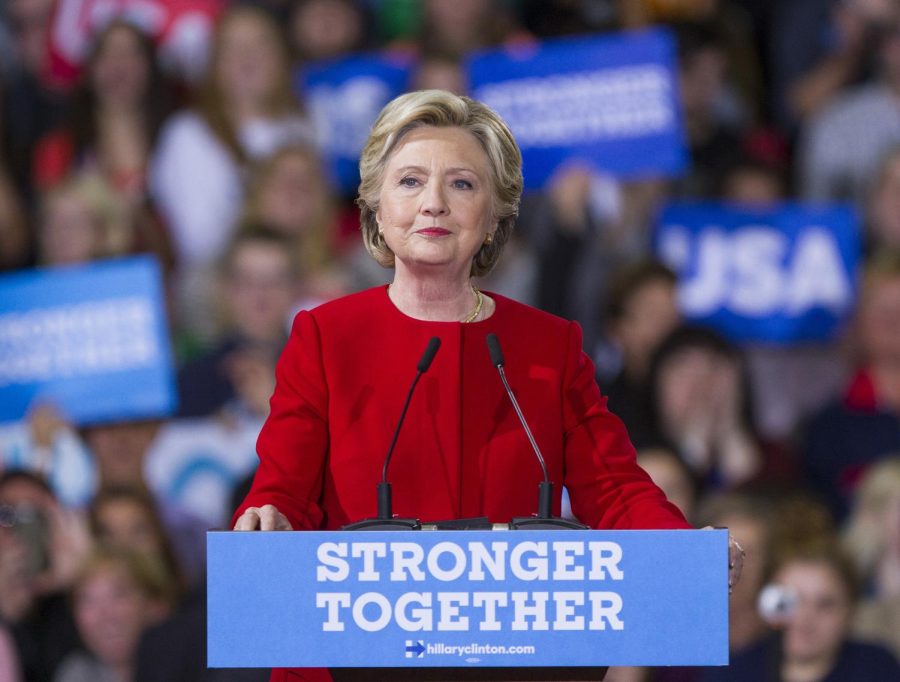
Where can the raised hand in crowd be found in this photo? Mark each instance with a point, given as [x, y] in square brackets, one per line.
[42, 543]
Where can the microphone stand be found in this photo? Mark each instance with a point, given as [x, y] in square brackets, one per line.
[385, 520]
[544, 519]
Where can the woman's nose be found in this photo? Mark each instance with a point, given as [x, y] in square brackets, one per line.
[434, 202]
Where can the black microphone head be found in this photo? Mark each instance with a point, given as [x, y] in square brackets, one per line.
[430, 351]
[494, 347]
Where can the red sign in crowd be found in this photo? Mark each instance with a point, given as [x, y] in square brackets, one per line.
[182, 29]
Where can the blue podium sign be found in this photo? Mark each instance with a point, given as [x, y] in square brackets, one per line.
[90, 339]
[467, 598]
[609, 101]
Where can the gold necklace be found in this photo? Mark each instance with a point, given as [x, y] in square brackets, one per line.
[479, 302]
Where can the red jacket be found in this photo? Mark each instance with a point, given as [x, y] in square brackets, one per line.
[341, 383]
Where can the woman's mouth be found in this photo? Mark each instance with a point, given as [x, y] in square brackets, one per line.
[433, 232]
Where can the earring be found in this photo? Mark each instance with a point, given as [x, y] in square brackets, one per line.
[489, 239]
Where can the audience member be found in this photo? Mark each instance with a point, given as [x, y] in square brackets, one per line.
[701, 404]
[457, 27]
[863, 425]
[814, 644]
[116, 114]
[872, 537]
[576, 230]
[838, 49]
[326, 29]
[641, 311]
[45, 444]
[126, 517]
[246, 111]
[83, 219]
[290, 193]
[713, 138]
[741, 100]
[260, 285]
[115, 596]
[123, 454]
[41, 546]
[843, 144]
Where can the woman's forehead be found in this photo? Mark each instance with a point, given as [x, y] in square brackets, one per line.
[448, 146]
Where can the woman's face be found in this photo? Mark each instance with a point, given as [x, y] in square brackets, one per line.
[650, 314]
[127, 524]
[435, 204]
[820, 620]
[249, 60]
[260, 289]
[879, 321]
[691, 383]
[120, 71]
[292, 194]
[109, 612]
[325, 29]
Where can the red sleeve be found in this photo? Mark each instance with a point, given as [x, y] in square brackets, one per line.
[293, 443]
[606, 486]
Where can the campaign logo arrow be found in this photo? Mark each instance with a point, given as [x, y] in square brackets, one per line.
[415, 649]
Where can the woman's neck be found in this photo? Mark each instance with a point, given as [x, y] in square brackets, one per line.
[244, 109]
[436, 297]
[811, 670]
[119, 112]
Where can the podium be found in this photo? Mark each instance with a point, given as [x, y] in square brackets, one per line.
[467, 605]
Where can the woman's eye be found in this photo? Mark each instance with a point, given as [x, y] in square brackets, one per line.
[462, 184]
[409, 182]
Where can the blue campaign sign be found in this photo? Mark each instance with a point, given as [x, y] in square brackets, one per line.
[90, 339]
[779, 275]
[610, 101]
[344, 97]
[467, 598]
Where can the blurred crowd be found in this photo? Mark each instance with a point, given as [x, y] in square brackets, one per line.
[213, 165]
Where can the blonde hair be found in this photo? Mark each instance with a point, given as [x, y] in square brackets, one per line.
[442, 109]
[864, 536]
[114, 230]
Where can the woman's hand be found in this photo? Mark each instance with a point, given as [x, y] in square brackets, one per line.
[69, 543]
[266, 517]
[735, 562]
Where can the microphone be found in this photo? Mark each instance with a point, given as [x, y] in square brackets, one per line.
[385, 519]
[544, 518]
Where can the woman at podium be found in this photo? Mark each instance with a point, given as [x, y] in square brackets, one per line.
[440, 186]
